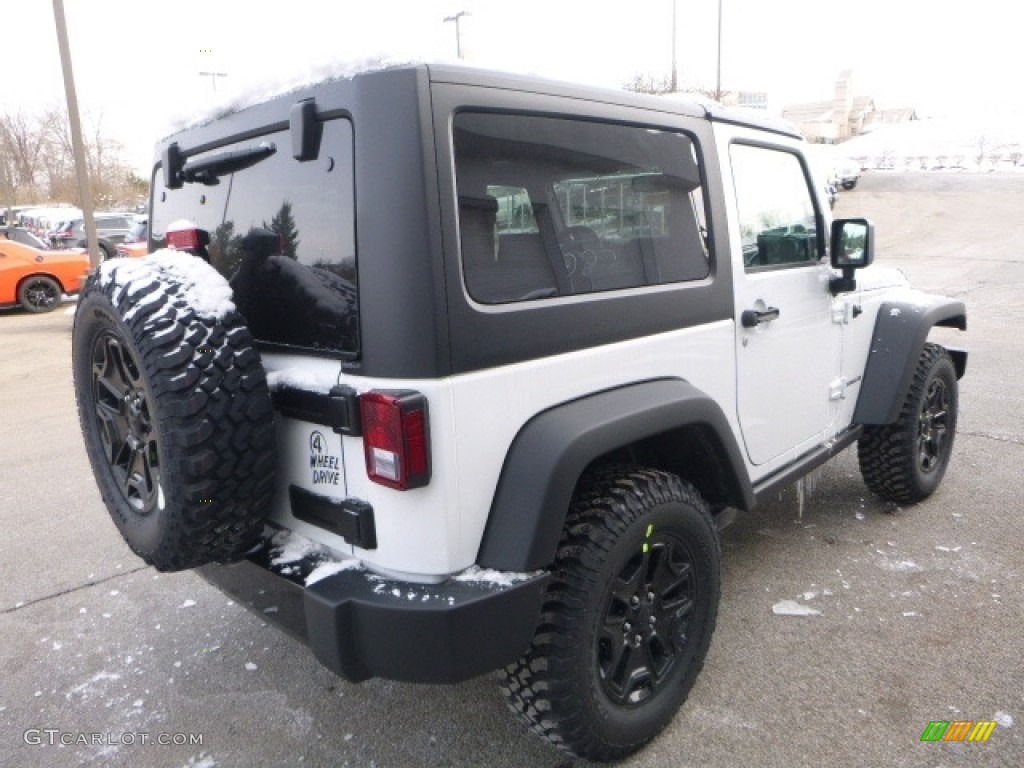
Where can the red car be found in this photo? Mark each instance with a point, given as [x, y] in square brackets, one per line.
[35, 279]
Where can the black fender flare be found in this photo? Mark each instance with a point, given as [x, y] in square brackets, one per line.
[551, 451]
[901, 330]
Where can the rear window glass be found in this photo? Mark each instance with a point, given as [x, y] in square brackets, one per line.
[554, 207]
[283, 233]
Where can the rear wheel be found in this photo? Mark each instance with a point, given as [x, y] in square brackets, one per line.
[628, 616]
[39, 293]
[905, 461]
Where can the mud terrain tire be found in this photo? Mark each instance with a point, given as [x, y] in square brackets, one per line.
[175, 412]
[627, 618]
[904, 461]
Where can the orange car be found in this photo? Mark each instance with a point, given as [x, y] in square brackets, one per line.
[132, 250]
[36, 279]
[136, 246]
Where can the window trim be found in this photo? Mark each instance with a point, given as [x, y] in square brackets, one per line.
[701, 161]
[819, 217]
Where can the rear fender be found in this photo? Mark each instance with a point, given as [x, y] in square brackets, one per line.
[552, 450]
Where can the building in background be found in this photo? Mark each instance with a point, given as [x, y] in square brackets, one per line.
[845, 116]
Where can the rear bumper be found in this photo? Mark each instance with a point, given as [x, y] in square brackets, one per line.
[360, 625]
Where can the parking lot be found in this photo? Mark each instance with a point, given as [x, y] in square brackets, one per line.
[920, 612]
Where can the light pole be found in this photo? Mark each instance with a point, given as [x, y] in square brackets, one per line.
[213, 77]
[458, 30]
[718, 70]
[81, 168]
[675, 68]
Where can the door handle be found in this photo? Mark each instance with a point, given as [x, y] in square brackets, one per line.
[751, 318]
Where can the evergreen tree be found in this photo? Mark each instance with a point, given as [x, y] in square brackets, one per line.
[283, 224]
[225, 249]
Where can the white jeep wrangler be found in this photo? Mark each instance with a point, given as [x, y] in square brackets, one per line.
[465, 371]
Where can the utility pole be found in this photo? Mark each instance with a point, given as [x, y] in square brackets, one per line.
[213, 77]
[81, 169]
[458, 29]
[718, 71]
[675, 67]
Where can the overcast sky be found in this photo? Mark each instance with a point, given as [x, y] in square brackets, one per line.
[137, 62]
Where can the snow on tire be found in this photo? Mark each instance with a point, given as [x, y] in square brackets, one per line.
[175, 409]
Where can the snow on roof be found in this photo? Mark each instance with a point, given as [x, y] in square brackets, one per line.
[287, 82]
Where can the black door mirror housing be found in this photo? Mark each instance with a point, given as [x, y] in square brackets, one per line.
[852, 247]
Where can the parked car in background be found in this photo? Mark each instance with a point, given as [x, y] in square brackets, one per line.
[35, 278]
[138, 245]
[848, 173]
[23, 236]
[110, 230]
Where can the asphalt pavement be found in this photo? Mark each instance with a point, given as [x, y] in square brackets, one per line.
[916, 614]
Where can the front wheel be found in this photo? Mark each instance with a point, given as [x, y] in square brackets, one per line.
[627, 619]
[906, 460]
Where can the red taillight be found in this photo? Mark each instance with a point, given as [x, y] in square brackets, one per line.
[184, 239]
[396, 438]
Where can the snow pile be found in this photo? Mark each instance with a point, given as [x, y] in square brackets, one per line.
[301, 378]
[969, 143]
[200, 286]
[289, 547]
[477, 575]
[329, 568]
[793, 608]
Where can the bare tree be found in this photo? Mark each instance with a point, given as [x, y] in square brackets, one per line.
[112, 181]
[647, 83]
[21, 150]
[22, 142]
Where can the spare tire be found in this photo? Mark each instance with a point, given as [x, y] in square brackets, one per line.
[175, 409]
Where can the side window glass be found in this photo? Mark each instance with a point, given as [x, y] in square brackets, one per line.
[778, 226]
[554, 207]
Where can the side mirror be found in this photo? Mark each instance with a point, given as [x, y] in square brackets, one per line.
[852, 247]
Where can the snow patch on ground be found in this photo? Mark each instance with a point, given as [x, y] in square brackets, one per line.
[200, 286]
[89, 686]
[1005, 719]
[899, 566]
[793, 608]
[202, 760]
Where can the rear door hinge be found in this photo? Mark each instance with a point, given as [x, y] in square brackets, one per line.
[837, 388]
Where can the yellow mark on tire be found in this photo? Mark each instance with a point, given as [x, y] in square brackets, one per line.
[650, 530]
